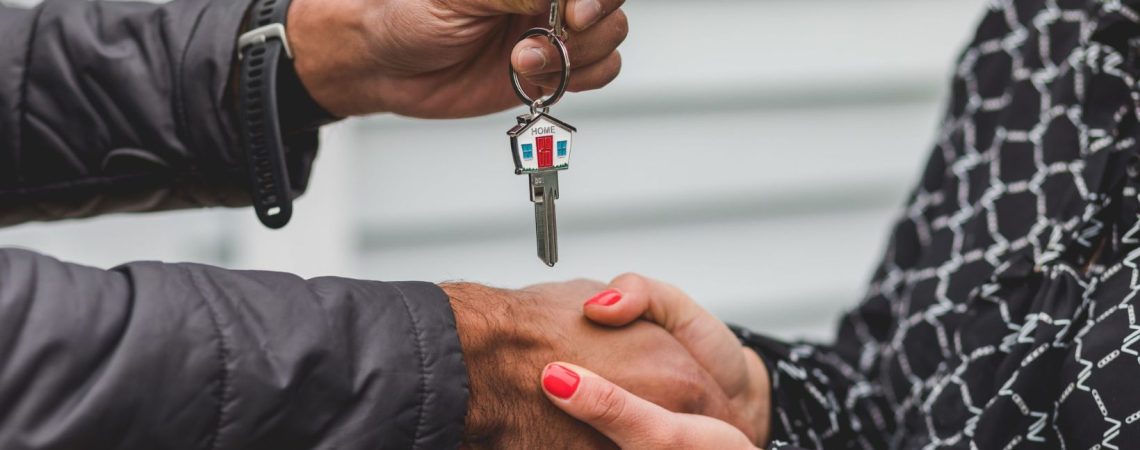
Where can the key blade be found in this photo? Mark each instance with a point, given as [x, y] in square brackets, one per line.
[544, 190]
[547, 233]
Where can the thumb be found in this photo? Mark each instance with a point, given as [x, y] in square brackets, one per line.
[631, 422]
[706, 338]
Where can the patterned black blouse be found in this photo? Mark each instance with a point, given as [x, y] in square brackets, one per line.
[1004, 313]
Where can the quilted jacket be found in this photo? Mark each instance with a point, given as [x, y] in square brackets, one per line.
[122, 107]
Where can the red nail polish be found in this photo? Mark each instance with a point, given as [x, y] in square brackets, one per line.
[560, 381]
[606, 298]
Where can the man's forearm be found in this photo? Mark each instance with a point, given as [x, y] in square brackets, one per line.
[153, 355]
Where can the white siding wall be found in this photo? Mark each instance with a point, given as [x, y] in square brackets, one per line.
[753, 152]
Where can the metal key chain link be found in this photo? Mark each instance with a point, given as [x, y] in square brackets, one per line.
[564, 80]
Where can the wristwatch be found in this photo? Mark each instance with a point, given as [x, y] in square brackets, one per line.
[272, 102]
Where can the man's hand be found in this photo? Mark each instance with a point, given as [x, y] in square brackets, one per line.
[632, 422]
[509, 336]
[737, 369]
[444, 58]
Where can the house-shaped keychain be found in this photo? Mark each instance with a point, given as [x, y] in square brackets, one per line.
[541, 144]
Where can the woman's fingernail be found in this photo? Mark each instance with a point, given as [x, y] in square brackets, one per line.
[532, 60]
[560, 381]
[588, 12]
[606, 298]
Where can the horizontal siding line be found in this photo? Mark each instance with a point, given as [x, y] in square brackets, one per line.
[759, 98]
[725, 98]
[608, 218]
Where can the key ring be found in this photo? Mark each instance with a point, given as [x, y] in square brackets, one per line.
[543, 104]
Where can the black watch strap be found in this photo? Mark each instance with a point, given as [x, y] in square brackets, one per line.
[261, 135]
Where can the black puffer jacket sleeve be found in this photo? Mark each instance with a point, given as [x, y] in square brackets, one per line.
[115, 106]
[184, 356]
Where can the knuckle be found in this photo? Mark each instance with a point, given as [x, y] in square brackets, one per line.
[630, 280]
[662, 435]
[545, 81]
[610, 406]
[695, 391]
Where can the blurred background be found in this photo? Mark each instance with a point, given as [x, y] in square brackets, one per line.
[753, 152]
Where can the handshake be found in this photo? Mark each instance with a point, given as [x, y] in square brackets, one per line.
[639, 363]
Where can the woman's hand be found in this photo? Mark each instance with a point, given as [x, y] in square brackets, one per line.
[508, 336]
[444, 58]
[631, 422]
[737, 369]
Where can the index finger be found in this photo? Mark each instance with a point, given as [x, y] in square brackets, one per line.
[628, 420]
[632, 422]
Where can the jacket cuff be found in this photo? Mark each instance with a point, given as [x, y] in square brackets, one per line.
[213, 111]
[443, 387]
[203, 79]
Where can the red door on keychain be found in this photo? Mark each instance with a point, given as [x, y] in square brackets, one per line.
[545, 146]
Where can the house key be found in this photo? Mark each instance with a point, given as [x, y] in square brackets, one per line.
[540, 144]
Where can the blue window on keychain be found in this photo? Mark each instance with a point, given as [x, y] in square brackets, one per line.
[528, 151]
[561, 149]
